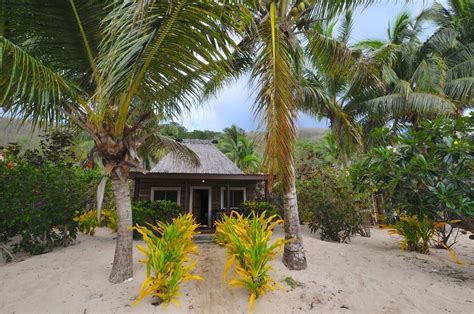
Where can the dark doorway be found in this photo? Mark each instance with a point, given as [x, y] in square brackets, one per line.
[201, 206]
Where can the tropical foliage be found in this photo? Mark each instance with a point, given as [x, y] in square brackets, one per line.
[247, 242]
[416, 233]
[146, 212]
[248, 208]
[40, 194]
[115, 69]
[108, 218]
[176, 130]
[241, 149]
[415, 79]
[273, 53]
[398, 81]
[335, 80]
[329, 204]
[87, 222]
[424, 172]
[167, 258]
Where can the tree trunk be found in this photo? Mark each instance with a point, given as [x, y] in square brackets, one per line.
[122, 268]
[293, 256]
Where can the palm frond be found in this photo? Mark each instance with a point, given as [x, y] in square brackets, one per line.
[274, 78]
[429, 76]
[442, 41]
[312, 96]
[461, 89]
[328, 54]
[240, 62]
[157, 145]
[30, 89]
[329, 9]
[462, 69]
[400, 105]
[157, 53]
[346, 27]
[49, 31]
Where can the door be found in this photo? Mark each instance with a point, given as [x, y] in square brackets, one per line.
[200, 206]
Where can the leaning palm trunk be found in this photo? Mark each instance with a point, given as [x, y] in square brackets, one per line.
[122, 268]
[293, 256]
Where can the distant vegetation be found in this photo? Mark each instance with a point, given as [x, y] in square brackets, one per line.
[178, 131]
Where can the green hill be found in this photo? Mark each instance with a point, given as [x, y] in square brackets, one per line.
[14, 131]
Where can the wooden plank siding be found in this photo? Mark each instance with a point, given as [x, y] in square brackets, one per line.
[144, 187]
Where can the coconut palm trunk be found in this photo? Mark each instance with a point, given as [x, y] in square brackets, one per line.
[293, 256]
[114, 69]
[122, 268]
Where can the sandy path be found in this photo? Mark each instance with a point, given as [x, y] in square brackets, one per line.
[367, 276]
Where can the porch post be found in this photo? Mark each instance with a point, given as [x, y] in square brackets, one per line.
[136, 190]
[227, 192]
[186, 196]
[267, 192]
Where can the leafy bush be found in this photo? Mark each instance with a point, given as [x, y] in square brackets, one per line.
[39, 198]
[425, 172]
[87, 222]
[167, 257]
[247, 242]
[329, 204]
[249, 207]
[151, 212]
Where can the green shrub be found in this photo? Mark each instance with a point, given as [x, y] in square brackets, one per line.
[151, 212]
[328, 203]
[248, 207]
[425, 171]
[41, 192]
[39, 202]
[167, 257]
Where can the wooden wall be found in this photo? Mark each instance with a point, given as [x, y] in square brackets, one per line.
[143, 188]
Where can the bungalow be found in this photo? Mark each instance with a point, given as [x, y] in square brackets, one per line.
[216, 185]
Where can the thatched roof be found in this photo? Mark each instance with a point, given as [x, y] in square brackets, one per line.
[213, 161]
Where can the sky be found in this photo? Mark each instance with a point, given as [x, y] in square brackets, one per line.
[233, 105]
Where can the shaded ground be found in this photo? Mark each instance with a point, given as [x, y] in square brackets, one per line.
[367, 276]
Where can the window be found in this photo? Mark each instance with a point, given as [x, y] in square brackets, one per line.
[237, 196]
[169, 194]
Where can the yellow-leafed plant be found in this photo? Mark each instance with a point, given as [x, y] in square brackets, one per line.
[168, 262]
[247, 242]
[87, 222]
[109, 219]
[416, 233]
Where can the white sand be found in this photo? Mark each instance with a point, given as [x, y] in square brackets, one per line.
[370, 275]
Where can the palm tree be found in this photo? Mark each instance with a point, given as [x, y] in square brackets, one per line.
[229, 141]
[236, 145]
[453, 41]
[271, 48]
[414, 79]
[248, 160]
[111, 67]
[329, 90]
